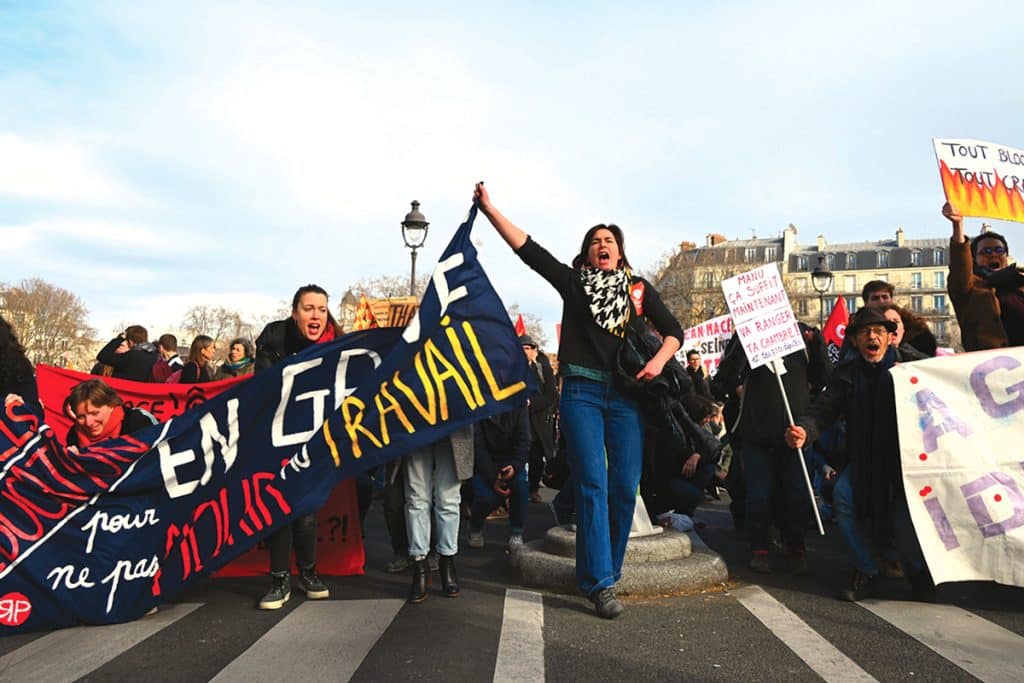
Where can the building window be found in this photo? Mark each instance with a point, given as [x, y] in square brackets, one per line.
[940, 280]
[849, 283]
[939, 303]
[801, 263]
[851, 304]
[939, 257]
[916, 303]
[801, 307]
[750, 255]
[915, 280]
[709, 279]
[830, 303]
[915, 257]
[939, 328]
[883, 259]
[851, 261]
[770, 254]
[830, 261]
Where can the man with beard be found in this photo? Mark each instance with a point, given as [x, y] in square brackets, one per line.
[870, 503]
[986, 290]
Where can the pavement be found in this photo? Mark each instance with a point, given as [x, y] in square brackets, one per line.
[753, 627]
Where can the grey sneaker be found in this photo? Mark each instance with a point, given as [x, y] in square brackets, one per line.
[398, 564]
[606, 604]
[280, 591]
[515, 541]
[311, 585]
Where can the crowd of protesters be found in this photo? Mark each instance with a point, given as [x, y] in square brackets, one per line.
[595, 433]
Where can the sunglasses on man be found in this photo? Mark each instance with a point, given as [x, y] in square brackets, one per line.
[988, 251]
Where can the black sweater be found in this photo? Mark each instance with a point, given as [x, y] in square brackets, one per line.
[584, 342]
[135, 364]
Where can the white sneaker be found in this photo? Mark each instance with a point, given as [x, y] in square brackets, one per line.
[515, 541]
[476, 539]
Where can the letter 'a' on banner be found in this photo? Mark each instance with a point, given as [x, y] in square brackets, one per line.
[764, 321]
[982, 179]
[960, 418]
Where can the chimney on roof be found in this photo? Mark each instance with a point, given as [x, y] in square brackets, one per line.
[899, 237]
[821, 243]
[716, 238]
[687, 245]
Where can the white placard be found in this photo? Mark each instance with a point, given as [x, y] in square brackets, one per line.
[709, 338]
[762, 315]
[959, 418]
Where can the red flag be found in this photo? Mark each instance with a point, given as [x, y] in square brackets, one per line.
[520, 326]
[835, 329]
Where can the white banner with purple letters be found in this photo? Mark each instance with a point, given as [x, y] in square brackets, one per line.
[961, 421]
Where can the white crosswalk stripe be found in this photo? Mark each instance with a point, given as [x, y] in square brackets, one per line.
[521, 647]
[319, 641]
[330, 640]
[983, 649]
[819, 654]
[71, 653]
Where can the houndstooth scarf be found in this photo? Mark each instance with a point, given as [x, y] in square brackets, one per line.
[608, 292]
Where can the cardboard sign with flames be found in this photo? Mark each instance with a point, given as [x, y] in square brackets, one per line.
[982, 179]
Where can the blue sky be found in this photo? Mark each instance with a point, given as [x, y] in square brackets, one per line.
[159, 155]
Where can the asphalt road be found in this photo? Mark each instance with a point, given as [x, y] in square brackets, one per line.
[365, 631]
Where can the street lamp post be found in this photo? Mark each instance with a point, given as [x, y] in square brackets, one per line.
[414, 233]
[821, 280]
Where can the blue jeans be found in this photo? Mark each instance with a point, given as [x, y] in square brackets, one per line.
[775, 484]
[430, 477]
[861, 554]
[604, 438]
[688, 493]
[485, 499]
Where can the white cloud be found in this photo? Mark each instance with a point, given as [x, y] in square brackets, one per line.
[58, 170]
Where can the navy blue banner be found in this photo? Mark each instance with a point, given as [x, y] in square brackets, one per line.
[104, 535]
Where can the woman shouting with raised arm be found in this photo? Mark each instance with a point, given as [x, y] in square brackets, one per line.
[602, 424]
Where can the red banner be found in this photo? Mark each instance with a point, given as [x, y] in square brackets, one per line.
[340, 544]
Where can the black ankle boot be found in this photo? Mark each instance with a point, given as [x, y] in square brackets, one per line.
[420, 581]
[449, 582]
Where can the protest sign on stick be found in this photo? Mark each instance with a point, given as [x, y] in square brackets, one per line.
[982, 179]
[768, 331]
[709, 338]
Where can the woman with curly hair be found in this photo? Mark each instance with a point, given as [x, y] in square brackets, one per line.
[240, 362]
[17, 376]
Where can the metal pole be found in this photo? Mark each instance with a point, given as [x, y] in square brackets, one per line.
[412, 275]
[821, 310]
[778, 367]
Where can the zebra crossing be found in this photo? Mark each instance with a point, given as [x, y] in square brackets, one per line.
[331, 639]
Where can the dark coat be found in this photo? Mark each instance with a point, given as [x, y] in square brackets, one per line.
[541, 407]
[762, 415]
[135, 364]
[975, 302]
[501, 440]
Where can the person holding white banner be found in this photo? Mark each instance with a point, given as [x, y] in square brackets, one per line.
[868, 496]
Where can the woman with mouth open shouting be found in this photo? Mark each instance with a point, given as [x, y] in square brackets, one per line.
[310, 323]
[602, 425]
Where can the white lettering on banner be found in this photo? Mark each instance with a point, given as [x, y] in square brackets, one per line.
[277, 435]
[958, 417]
[124, 570]
[66, 575]
[341, 389]
[297, 462]
[446, 297]
[102, 521]
[171, 461]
